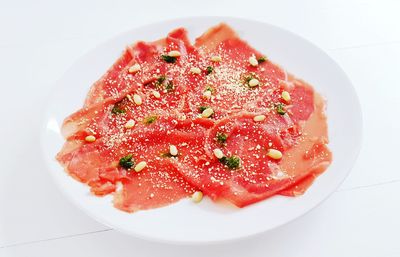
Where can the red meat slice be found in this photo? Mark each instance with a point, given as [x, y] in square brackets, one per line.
[117, 81]
[245, 139]
[82, 160]
[232, 96]
[229, 79]
[159, 183]
[98, 92]
[259, 176]
[98, 119]
[256, 178]
[173, 119]
[311, 152]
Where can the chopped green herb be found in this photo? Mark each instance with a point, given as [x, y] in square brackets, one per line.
[202, 108]
[209, 69]
[169, 86]
[280, 108]
[161, 79]
[149, 120]
[168, 59]
[117, 109]
[221, 138]
[232, 162]
[126, 162]
[156, 82]
[249, 77]
[161, 82]
[262, 59]
[210, 88]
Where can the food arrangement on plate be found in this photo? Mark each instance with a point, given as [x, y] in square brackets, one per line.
[171, 120]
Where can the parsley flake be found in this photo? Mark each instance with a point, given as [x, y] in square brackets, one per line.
[202, 108]
[160, 80]
[262, 59]
[209, 88]
[117, 109]
[209, 70]
[168, 59]
[169, 86]
[232, 162]
[126, 162]
[221, 138]
[149, 120]
[280, 108]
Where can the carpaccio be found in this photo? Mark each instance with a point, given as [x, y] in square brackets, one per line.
[170, 120]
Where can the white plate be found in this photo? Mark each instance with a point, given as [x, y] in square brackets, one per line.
[186, 222]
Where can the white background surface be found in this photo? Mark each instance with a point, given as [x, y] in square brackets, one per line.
[39, 40]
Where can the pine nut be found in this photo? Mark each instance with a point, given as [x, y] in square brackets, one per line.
[134, 68]
[216, 58]
[156, 94]
[274, 154]
[259, 118]
[197, 196]
[195, 70]
[140, 166]
[90, 138]
[207, 113]
[254, 82]
[253, 61]
[173, 150]
[137, 99]
[286, 96]
[129, 124]
[218, 153]
[207, 94]
[174, 53]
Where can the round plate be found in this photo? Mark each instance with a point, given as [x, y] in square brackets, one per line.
[186, 222]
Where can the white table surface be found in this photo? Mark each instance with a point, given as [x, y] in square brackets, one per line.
[39, 40]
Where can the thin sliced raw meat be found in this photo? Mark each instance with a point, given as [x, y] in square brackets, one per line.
[259, 176]
[311, 151]
[97, 91]
[216, 178]
[118, 81]
[247, 140]
[162, 90]
[159, 183]
[164, 101]
[230, 77]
